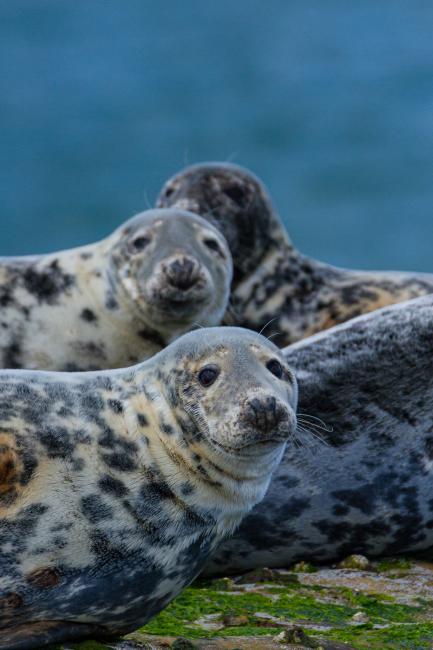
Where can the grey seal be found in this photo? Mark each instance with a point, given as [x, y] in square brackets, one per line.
[363, 483]
[272, 281]
[115, 302]
[115, 486]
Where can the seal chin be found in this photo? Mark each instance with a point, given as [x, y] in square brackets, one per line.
[177, 307]
[165, 301]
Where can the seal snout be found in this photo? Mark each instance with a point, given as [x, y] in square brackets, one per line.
[183, 273]
[179, 282]
[264, 414]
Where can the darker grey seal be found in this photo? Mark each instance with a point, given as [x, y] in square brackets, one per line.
[366, 485]
[272, 281]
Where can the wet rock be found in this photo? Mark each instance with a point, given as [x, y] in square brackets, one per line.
[268, 575]
[356, 562]
[183, 644]
[296, 636]
[360, 618]
[304, 567]
[233, 620]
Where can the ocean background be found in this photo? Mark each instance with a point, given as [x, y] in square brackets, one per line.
[330, 103]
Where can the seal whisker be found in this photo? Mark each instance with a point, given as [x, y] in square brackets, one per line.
[313, 417]
[315, 425]
[148, 204]
[266, 324]
[272, 335]
[314, 434]
[232, 156]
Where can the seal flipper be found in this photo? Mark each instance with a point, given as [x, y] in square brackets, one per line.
[39, 634]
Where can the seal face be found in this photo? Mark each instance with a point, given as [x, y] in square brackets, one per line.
[116, 302]
[362, 484]
[116, 486]
[272, 281]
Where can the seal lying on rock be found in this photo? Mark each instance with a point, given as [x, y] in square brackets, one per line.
[366, 485]
[118, 301]
[115, 486]
[272, 281]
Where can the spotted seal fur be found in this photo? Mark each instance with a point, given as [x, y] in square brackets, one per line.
[116, 485]
[273, 281]
[118, 301]
[368, 489]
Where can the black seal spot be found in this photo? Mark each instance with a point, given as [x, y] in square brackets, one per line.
[115, 405]
[47, 284]
[88, 315]
[142, 420]
[94, 508]
[113, 486]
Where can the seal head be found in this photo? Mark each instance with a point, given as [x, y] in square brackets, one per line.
[175, 267]
[234, 200]
[232, 392]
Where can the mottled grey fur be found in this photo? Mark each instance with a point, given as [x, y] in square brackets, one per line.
[115, 486]
[367, 488]
[272, 281]
[116, 302]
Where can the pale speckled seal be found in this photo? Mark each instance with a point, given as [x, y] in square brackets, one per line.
[272, 281]
[116, 485]
[369, 488]
[118, 301]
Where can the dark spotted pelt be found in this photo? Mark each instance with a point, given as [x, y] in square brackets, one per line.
[116, 302]
[116, 486]
[273, 283]
[363, 484]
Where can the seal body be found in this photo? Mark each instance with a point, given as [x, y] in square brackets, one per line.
[363, 484]
[115, 486]
[117, 302]
[272, 281]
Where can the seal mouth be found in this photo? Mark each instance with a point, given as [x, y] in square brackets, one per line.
[257, 442]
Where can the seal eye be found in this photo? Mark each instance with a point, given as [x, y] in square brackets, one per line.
[140, 242]
[275, 368]
[235, 193]
[213, 245]
[208, 375]
[169, 191]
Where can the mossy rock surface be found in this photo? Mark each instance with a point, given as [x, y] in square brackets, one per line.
[389, 606]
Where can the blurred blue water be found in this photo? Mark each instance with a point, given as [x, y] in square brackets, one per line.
[331, 103]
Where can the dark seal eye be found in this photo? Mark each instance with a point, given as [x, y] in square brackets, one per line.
[169, 191]
[213, 245]
[140, 242]
[275, 367]
[208, 375]
[235, 193]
